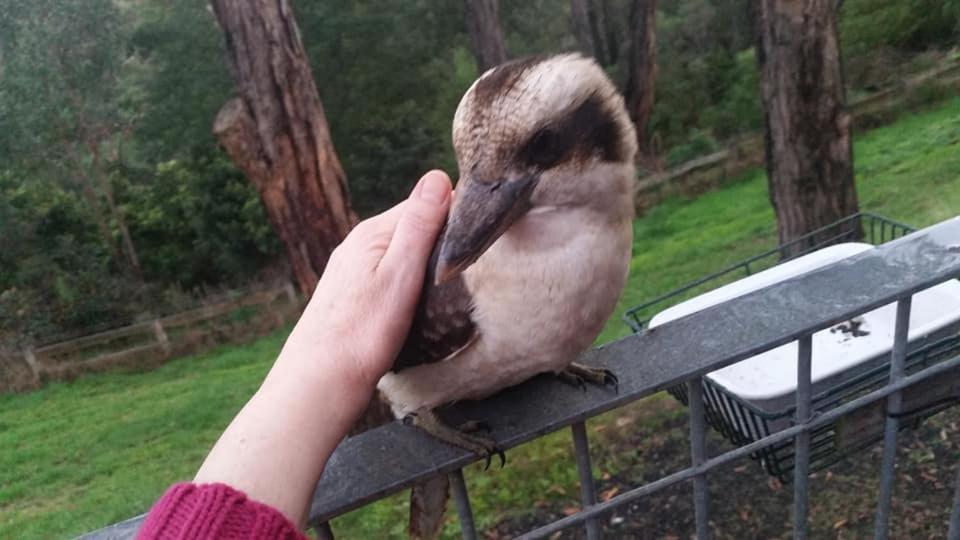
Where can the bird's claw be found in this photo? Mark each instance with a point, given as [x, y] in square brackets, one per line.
[573, 379]
[473, 426]
[611, 379]
[496, 450]
[580, 374]
[464, 437]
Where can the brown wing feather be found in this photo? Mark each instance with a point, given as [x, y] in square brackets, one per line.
[443, 323]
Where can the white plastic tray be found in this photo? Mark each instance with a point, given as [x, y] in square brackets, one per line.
[773, 375]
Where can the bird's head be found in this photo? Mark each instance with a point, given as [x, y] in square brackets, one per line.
[541, 132]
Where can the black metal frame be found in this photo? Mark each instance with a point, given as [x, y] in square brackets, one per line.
[742, 423]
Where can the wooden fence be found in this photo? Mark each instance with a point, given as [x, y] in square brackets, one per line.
[714, 170]
[150, 343]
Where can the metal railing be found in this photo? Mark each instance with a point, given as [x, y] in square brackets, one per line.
[393, 457]
[741, 421]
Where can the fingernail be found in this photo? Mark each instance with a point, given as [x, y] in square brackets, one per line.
[434, 187]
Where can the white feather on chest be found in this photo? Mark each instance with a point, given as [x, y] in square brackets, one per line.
[541, 294]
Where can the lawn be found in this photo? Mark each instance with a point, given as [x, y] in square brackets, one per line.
[77, 456]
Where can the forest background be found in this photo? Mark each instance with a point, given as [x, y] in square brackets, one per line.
[117, 205]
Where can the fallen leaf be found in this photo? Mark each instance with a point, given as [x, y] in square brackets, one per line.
[608, 494]
[570, 510]
[839, 524]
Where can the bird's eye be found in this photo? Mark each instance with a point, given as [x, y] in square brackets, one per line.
[545, 148]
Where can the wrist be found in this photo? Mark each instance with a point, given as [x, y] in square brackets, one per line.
[333, 396]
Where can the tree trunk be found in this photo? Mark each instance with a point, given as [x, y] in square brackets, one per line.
[127, 241]
[642, 73]
[86, 184]
[276, 132]
[580, 18]
[604, 32]
[90, 195]
[118, 216]
[808, 148]
[589, 21]
[483, 23]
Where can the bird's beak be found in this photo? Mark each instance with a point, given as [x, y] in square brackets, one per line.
[481, 212]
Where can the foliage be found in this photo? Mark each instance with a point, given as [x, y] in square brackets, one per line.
[198, 221]
[107, 106]
[89, 453]
[177, 79]
[53, 272]
[60, 59]
[699, 143]
[906, 24]
[389, 101]
[707, 77]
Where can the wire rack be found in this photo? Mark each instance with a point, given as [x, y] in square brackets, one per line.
[741, 422]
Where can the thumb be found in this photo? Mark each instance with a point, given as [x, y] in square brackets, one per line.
[424, 214]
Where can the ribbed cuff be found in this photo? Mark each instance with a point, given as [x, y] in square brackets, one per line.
[214, 511]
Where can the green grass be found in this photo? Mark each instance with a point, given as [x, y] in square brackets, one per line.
[77, 456]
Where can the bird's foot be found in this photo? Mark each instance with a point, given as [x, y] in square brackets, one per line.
[580, 374]
[464, 437]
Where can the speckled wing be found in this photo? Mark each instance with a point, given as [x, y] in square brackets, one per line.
[442, 325]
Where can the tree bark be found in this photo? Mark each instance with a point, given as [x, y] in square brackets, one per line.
[605, 33]
[93, 146]
[276, 131]
[580, 18]
[590, 26]
[483, 23]
[807, 126]
[642, 72]
[86, 184]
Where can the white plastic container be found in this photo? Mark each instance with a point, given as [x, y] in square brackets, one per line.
[767, 382]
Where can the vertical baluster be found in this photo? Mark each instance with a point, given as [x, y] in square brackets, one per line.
[462, 500]
[698, 451]
[897, 358]
[954, 533]
[801, 467]
[588, 490]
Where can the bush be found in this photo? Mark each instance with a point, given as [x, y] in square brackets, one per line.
[699, 143]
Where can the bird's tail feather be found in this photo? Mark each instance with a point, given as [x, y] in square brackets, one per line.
[428, 502]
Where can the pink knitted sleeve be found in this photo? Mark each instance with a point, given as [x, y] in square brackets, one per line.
[208, 511]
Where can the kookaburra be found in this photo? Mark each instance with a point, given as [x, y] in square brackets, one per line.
[537, 245]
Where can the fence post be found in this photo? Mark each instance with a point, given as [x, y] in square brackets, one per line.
[31, 360]
[291, 292]
[161, 336]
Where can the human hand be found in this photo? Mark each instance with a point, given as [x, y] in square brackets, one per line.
[346, 339]
[361, 310]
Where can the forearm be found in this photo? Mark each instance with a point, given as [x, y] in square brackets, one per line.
[349, 334]
[276, 446]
